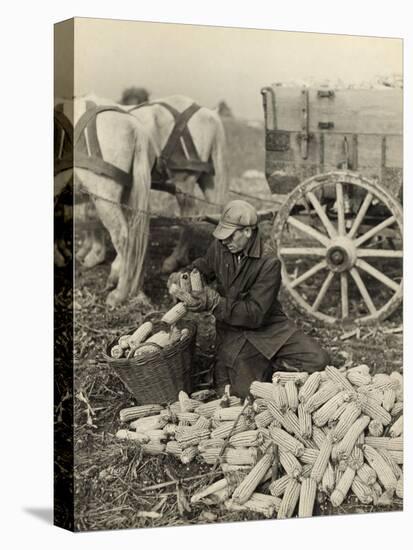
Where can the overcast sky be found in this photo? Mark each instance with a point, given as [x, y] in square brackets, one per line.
[210, 64]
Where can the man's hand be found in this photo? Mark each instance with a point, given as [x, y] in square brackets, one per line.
[173, 279]
[207, 299]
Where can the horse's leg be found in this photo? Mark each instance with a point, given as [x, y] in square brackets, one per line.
[187, 204]
[114, 273]
[114, 220]
[97, 252]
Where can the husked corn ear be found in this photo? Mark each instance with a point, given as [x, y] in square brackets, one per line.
[306, 472]
[388, 443]
[173, 448]
[196, 281]
[249, 438]
[356, 459]
[397, 456]
[132, 436]
[153, 448]
[188, 454]
[391, 462]
[160, 338]
[187, 404]
[343, 486]
[397, 408]
[116, 352]
[240, 456]
[260, 503]
[326, 411]
[383, 470]
[170, 430]
[259, 405]
[185, 282]
[229, 413]
[192, 437]
[207, 409]
[286, 441]
[309, 456]
[132, 413]
[184, 334]
[337, 377]
[304, 421]
[346, 420]
[213, 488]
[202, 423]
[124, 341]
[275, 411]
[318, 436]
[278, 486]
[145, 349]
[358, 378]
[244, 491]
[362, 491]
[322, 460]
[399, 487]
[262, 389]
[156, 422]
[346, 445]
[290, 499]
[174, 314]
[291, 424]
[389, 399]
[230, 427]
[279, 396]
[324, 393]
[382, 381]
[292, 394]
[214, 443]
[336, 415]
[290, 463]
[283, 377]
[140, 334]
[263, 419]
[376, 428]
[367, 474]
[328, 480]
[396, 429]
[307, 498]
[309, 387]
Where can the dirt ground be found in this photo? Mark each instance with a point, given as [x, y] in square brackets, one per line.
[110, 477]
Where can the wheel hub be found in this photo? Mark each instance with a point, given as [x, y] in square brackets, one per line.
[341, 254]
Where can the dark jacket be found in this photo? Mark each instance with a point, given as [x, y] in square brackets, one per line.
[249, 308]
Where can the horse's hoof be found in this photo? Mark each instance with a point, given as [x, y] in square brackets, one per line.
[94, 258]
[110, 285]
[113, 299]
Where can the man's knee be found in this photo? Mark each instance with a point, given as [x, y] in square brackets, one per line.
[319, 360]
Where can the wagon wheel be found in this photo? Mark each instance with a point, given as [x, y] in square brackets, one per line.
[341, 273]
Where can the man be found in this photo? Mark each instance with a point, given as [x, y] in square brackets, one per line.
[254, 336]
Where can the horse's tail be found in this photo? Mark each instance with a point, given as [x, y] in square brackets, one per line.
[138, 213]
[219, 159]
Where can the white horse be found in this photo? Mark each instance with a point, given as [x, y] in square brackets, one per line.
[126, 148]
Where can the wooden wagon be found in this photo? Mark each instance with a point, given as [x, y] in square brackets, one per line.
[338, 156]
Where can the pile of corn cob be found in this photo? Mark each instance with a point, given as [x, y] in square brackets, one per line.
[143, 341]
[335, 432]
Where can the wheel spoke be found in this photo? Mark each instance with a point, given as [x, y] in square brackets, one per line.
[377, 274]
[344, 294]
[360, 215]
[378, 253]
[322, 215]
[308, 230]
[340, 209]
[363, 290]
[374, 230]
[307, 274]
[303, 251]
[323, 291]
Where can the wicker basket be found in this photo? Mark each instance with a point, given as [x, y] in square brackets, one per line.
[159, 376]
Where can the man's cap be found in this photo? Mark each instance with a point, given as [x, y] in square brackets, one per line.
[236, 215]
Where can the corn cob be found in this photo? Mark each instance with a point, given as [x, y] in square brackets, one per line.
[229, 427]
[202, 423]
[286, 441]
[185, 282]
[263, 419]
[337, 475]
[383, 470]
[321, 462]
[153, 448]
[160, 338]
[229, 413]
[328, 480]
[279, 396]
[190, 417]
[388, 443]
[346, 420]
[184, 334]
[389, 399]
[397, 456]
[259, 503]
[275, 411]
[318, 436]
[324, 393]
[156, 435]
[173, 448]
[356, 459]
[278, 486]
[292, 394]
[397, 377]
[289, 500]
[145, 349]
[304, 422]
[377, 488]
[374, 410]
[376, 428]
[240, 456]
[346, 445]
[283, 377]
[146, 423]
[174, 314]
[337, 377]
[307, 498]
[306, 471]
[397, 408]
[186, 403]
[309, 456]
[367, 474]
[244, 491]
[382, 381]
[259, 405]
[290, 463]
[399, 487]
[132, 413]
[262, 389]
[336, 415]
[188, 454]
[396, 429]
[250, 438]
[192, 438]
[391, 462]
[309, 387]
[213, 488]
[170, 429]
[207, 409]
[207, 444]
[291, 424]
[116, 352]
[359, 379]
[132, 436]
[325, 413]
[362, 491]
[140, 334]
[124, 341]
[196, 281]
[343, 486]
